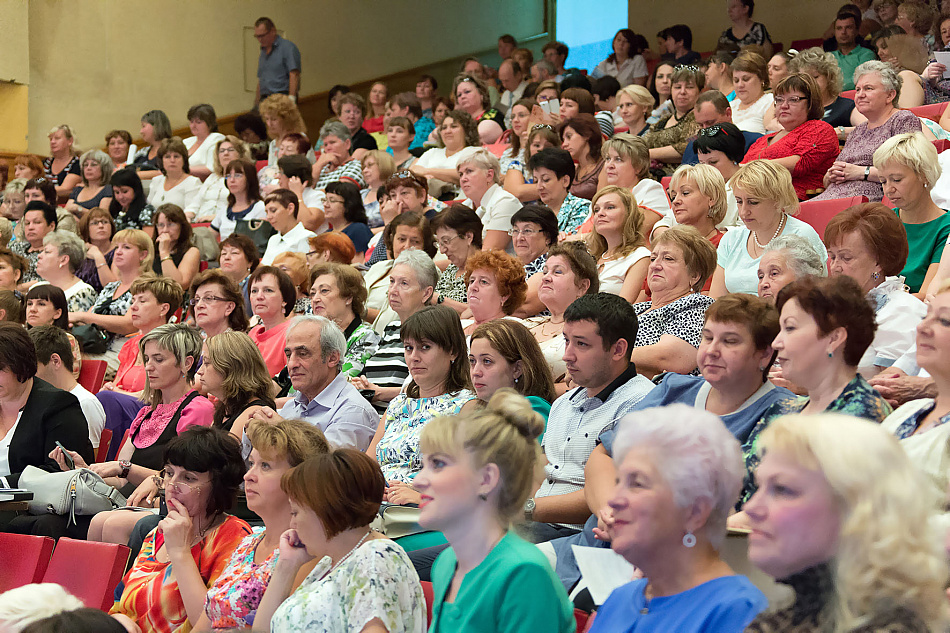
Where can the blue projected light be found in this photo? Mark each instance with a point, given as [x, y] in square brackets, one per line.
[589, 33]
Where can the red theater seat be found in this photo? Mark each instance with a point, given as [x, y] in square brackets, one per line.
[817, 213]
[23, 559]
[88, 570]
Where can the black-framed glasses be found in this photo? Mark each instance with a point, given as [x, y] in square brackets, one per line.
[712, 130]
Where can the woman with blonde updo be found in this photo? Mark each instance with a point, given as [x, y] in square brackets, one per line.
[478, 470]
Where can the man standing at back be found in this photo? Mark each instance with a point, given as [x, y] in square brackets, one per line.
[278, 67]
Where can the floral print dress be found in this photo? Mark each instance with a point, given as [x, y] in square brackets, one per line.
[376, 581]
[234, 597]
[398, 451]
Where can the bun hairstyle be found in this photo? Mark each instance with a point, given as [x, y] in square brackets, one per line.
[504, 433]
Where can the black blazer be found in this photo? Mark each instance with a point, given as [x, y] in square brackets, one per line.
[50, 414]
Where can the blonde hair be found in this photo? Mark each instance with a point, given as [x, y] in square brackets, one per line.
[767, 180]
[139, 239]
[710, 184]
[638, 94]
[885, 555]
[913, 151]
[239, 361]
[181, 341]
[283, 107]
[238, 145]
[632, 231]
[631, 147]
[24, 605]
[823, 63]
[384, 161]
[293, 440]
[504, 433]
[484, 160]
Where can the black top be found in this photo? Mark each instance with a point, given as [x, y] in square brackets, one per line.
[691, 57]
[176, 258]
[362, 139]
[153, 455]
[228, 422]
[812, 613]
[71, 168]
[839, 112]
[49, 415]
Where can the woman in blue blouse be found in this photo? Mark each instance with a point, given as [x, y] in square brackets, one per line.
[478, 470]
[678, 475]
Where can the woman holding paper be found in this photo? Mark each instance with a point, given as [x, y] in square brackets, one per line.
[679, 471]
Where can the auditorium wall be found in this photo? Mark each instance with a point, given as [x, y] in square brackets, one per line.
[100, 64]
[786, 21]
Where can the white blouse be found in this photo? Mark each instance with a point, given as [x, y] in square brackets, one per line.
[181, 194]
[204, 155]
[897, 313]
[614, 272]
[751, 119]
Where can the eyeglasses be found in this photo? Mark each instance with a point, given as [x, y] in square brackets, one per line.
[225, 150]
[100, 222]
[208, 299]
[523, 232]
[447, 241]
[780, 101]
[233, 175]
[177, 486]
[712, 130]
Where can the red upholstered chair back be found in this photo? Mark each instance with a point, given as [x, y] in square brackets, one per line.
[23, 559]
[88, 570]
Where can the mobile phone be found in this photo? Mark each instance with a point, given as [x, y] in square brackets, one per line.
[552, 106]
[66, 456]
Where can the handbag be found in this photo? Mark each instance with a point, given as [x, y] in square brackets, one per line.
[259, 231]
[396, 521]
[91, 339]
[69, 493]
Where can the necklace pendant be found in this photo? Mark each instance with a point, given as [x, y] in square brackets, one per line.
[644, 610]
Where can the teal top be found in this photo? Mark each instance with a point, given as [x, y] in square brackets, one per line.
[543, 407]
[925, 244]
[850, 62]
[513, 590]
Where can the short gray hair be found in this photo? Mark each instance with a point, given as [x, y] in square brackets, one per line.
[17, 185]
[24, 605]
[484, 160]
[889, 77]
[331, 336]
[335, 128]
[546, 66]
[69, 244]
[105, 165]
[421, 264]
[799, 255]
[694, 454]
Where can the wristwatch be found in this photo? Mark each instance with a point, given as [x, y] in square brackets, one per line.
[867, 172]
[126, 467]
[529, 506]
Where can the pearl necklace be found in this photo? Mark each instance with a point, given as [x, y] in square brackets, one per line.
[781, 225]
[347, 555]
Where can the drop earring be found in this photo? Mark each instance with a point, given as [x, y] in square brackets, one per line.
[689, 540]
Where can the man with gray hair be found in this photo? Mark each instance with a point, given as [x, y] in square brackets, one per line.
[314, 348]
[543, 70]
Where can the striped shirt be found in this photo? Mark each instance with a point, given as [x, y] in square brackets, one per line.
[387, 368]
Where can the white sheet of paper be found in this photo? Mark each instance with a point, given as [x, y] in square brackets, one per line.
[944, 58]
[603, 570]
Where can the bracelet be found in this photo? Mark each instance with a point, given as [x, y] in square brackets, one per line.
[101, 265]
[165, 259]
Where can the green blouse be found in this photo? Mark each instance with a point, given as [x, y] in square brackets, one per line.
[513, 590]
[925, 242]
